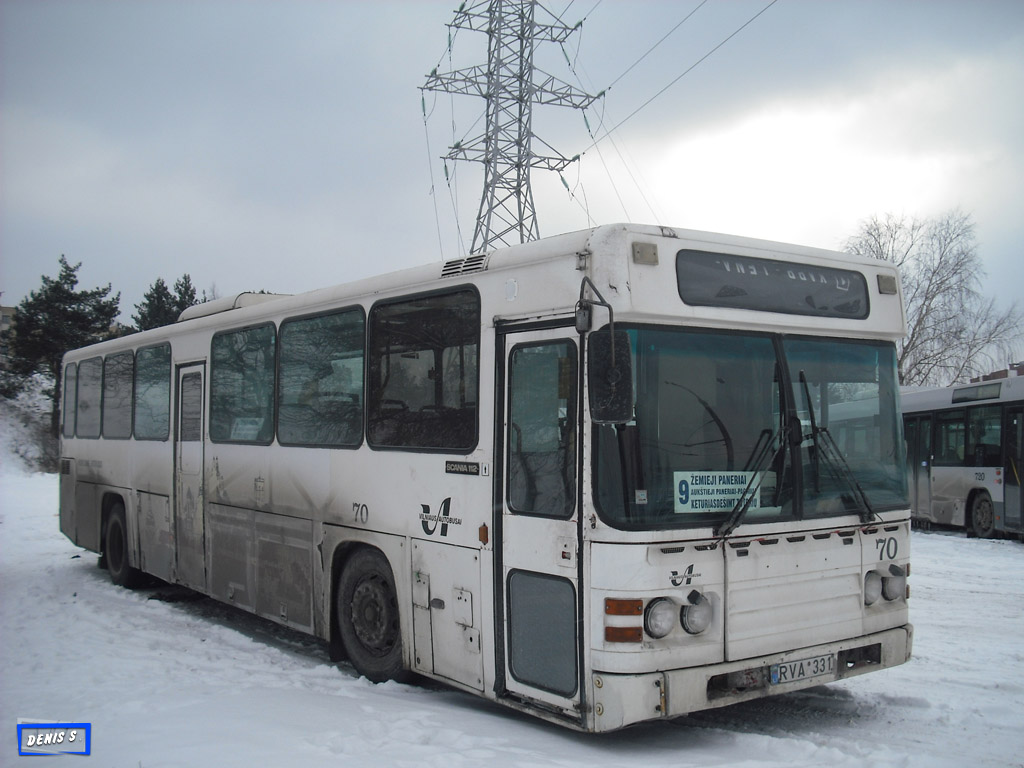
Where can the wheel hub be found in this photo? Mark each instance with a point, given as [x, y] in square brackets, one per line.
[984, 513]
[372, 616]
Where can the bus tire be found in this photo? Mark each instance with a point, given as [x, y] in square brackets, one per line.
[983, 518]
[115, 549]
[368, 616]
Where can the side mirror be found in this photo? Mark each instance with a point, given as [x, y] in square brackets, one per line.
[610, 371]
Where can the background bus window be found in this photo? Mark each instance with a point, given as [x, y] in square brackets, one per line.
[321, 380]
[90, 381]
[153, 393]
[118, 373]
[950, 439]
[242, 386]
[984, 434]
[424, 372]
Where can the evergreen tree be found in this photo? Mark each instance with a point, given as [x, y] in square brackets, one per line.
[54, 319]
[160, 307]
[156, 308]
[184, 293]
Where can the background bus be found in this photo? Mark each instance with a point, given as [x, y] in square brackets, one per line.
[603, 478]
[964, 447]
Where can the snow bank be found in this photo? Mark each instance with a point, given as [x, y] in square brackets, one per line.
[24, 422]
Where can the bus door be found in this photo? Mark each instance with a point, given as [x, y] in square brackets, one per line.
[1013, 513]
[539, 526]
[919, 459]
[189, 524]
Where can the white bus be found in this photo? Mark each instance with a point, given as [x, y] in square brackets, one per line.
[964, 447]
[591, 477]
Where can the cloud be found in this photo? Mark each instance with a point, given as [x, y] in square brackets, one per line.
[809, 167]
[283, 148]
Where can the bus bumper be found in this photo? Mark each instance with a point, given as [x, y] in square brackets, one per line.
[620, 700]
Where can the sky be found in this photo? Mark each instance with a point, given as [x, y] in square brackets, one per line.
[265, 145]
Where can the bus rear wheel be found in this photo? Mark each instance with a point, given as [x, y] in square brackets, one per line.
[983, 518]
[368, 616]
[115, 549]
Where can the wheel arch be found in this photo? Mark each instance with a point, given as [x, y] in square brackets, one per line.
[342, 543]
[972, 497]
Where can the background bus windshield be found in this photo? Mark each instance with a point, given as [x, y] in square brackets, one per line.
[715, 427]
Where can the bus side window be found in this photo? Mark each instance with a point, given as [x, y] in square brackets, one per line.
[985, 433]
[320, 384]
[242, 385]
[118, 372]
[423, 368]
[90, 382]
[70, 398]
[950, 438]
[152, 411]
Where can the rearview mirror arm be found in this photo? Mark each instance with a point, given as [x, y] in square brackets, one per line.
[583, 317]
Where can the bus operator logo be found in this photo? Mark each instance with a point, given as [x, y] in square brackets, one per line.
[442, 519]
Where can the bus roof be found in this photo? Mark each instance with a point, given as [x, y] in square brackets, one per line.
[633, 265]
[915, 400]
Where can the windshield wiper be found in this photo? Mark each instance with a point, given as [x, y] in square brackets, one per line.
[815, 466]
[841, 470]
[827, 450]
[630, 466]
[765, 458]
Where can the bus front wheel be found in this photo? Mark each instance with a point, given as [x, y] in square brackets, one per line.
[368, 616]
[983, 519]
[115, 549]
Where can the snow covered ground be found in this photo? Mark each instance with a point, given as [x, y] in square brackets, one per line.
[194, 683]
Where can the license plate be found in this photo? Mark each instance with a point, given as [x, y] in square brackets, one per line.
[803, 669]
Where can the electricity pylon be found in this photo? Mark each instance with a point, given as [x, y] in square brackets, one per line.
[511, 86]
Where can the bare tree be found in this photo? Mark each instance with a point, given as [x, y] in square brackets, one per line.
[953, 331]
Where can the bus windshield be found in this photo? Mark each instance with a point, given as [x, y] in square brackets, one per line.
[767, 428]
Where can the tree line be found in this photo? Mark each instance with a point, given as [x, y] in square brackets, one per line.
[954, 331]
[58, 317]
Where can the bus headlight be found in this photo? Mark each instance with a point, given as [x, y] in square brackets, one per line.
[894, 586]
[660, 617]
[696, 617]
[872, 587]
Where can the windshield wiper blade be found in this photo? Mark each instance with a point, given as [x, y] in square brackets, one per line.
[842, 470]
[838, 467]
[815, 466]
[754, 484]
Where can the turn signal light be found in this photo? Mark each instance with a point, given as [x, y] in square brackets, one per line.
[623, 634]
[631, 607]
[621, 607]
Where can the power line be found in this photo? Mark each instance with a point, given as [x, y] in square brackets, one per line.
[430, 166]
[679, 77]
[649, 50]
[601, 121]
